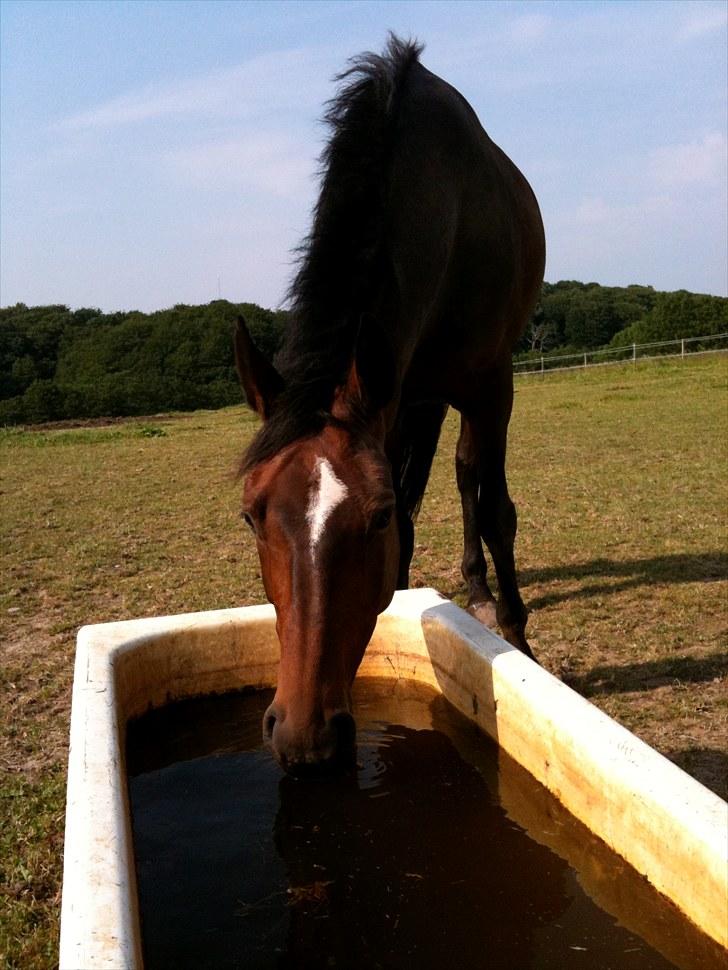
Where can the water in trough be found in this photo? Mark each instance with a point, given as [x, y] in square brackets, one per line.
[438, 852]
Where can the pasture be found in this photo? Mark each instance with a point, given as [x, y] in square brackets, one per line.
[619, 477]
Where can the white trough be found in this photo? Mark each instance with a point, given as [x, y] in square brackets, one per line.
[666, 825]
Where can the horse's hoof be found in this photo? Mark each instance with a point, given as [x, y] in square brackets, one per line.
[525, 649]
[485, 612]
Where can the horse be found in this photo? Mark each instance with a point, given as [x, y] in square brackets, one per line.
[421, 269]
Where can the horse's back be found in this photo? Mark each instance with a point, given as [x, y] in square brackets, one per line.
[467, 239]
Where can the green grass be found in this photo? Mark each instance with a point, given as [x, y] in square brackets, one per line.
[77, 436]
[619, 477]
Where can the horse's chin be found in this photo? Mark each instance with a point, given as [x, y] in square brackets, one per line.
[316, 764]
[313, 766]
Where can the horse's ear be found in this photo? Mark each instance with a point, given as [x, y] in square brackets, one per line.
[372, 380]
[261, 381]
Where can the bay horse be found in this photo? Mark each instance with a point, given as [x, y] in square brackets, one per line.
[422, 267]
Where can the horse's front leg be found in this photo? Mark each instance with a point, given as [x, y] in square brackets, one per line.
[410, 448]
[406, 546]
[481, 602]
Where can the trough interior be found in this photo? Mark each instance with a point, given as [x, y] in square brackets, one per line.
[440, 848]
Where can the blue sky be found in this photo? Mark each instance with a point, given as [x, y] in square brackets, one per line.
[159, 152]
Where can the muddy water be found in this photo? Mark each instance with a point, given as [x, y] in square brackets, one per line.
[439, 852]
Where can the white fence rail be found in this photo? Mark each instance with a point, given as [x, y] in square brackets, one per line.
[620, 355]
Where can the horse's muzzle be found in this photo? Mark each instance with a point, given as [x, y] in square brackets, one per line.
[306, 748]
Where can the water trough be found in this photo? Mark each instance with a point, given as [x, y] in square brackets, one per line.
[666, 825]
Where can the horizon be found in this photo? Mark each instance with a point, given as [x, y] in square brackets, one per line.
[161, 154]
[282, 307]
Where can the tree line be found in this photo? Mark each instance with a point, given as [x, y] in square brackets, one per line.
[572, 317]
[57, 363]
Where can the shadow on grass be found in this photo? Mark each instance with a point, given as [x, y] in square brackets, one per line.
[708, 765]
[709, 567]
[629, 678]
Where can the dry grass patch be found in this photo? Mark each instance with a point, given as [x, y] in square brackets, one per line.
[619, 477]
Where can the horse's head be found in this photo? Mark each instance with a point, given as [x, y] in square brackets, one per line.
[322, 510]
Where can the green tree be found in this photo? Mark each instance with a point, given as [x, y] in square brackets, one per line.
[677, 315]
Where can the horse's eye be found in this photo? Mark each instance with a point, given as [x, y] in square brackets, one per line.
[382, 519]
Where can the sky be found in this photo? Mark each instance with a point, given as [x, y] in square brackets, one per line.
[154, 153]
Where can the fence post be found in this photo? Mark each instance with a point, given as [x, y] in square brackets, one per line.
[542, 366]
[634, 353]
[584, 360]
[682, 347]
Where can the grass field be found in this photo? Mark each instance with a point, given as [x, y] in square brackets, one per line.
[619, 475]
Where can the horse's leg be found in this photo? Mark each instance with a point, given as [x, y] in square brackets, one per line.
[498, 522]
[406, 546]
[410, 448]
[497, 519]
[481, 602]
[405, 525]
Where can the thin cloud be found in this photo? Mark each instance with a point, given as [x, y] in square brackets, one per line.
[529, 29]
[704, 161]
[271, 162]
[285, 79]
[703, 21]
[596, 211]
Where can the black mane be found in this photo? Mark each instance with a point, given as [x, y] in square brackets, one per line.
[341, 259]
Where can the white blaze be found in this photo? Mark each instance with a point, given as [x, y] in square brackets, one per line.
[326, 493]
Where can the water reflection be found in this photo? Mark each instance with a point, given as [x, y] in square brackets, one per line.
[414, 860]
[411, 863]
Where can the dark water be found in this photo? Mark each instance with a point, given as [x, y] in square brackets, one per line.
[434, 854]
